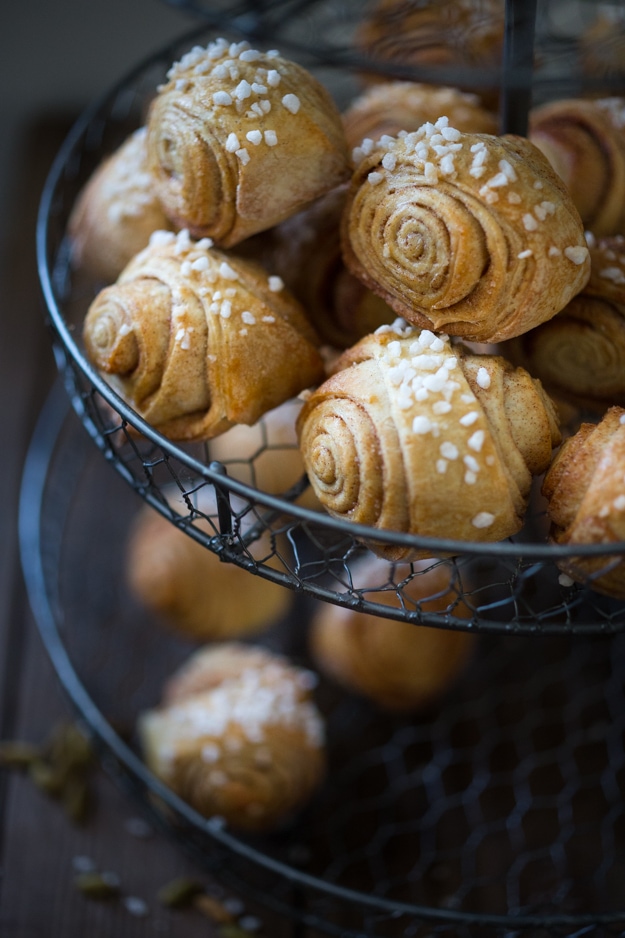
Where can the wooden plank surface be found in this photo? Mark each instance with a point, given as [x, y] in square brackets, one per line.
[39, 846]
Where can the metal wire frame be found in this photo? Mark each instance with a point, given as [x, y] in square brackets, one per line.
[496, 814]
[513, 586]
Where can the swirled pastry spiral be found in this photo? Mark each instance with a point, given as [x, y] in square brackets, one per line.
[238, 736]
[239, 139]
[579, 355]
[400, 666]
[413, 435]
[584, 140]
[404, 105]
[188, 586]
[116, 212]
[585, 489]
[197, 342]
[467, 234]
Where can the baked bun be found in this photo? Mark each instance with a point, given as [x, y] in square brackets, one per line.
[585, 491]
[400, 666]
[438, 36]
[414, 435]
[579, 355]
[116, 212]
[405, 105]
[238, 737]
[584, 140]
[188, 586]
[467, 234]
[197, 341]
[239, 139]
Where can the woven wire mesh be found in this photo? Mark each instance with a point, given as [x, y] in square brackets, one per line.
[496, 811]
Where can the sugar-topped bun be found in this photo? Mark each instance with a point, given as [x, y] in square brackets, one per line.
[240, 139]
[412, 434]
[238, 736]
[468, 234]
[197, 341]
[585, 491]
[116, 212]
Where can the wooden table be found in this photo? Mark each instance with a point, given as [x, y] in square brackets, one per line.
[40, 848]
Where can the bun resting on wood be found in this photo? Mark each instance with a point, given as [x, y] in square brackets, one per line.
[239, 139]
[238, 737]
[197, 342]
[414, 435]
[468, 234]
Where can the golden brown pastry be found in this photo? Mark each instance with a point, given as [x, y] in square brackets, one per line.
[405, 105]
[468, 234]
[584, 140]
[579, 355]
[239, 139]
[239, 738]
[197, 341]
[415, 435]
[116, 212]
[585, 489]
[436, 34]
[190, 588]
[398, 665]
[305, 250]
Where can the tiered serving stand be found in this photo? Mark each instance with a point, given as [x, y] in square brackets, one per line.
[497, 812]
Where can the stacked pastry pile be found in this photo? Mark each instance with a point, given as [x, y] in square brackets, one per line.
[272, 241]
[252, 244]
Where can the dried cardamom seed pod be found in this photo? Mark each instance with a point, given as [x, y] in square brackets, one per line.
[96, 885]
[180, 892]
[17, 755]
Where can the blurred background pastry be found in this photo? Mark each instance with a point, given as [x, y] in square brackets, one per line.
[445, 35]
[116, 212]
[399, 665]
[187, 585]
[243, 741]
[405, 105]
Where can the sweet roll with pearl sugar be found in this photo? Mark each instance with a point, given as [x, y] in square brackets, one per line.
[238, 736]
[240, 139]
[198, 342]
[414, 435]
[469, 234]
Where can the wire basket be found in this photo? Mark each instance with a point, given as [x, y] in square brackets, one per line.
[497, 812]
[513, 586]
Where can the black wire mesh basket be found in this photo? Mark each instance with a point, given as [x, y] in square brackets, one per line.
[495, 811]
[499, 813]
[513, 586]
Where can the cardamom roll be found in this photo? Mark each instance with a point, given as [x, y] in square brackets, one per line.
[197, 342]
[468, 234]
[414, 435]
